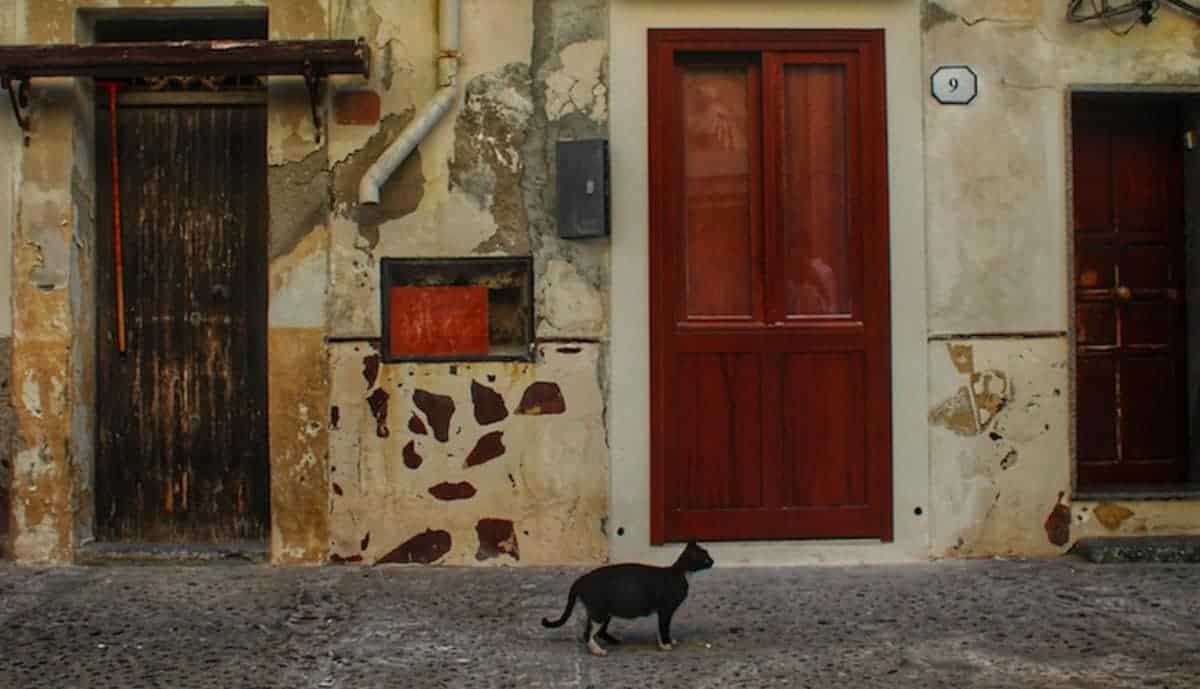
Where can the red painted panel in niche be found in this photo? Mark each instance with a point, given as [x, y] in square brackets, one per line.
[438, 320]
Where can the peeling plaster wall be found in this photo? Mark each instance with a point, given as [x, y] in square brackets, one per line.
[481, 183]
[493, 463]
[9, 169]
[999, 265]
[998, 443]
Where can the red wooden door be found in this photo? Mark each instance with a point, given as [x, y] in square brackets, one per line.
[1130, 359]
[769, 286]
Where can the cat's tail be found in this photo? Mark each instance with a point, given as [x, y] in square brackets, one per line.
[547, 622]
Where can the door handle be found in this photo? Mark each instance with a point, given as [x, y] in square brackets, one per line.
[1122, 294]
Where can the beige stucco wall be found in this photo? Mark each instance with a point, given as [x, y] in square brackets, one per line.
[1000, 272]
[629, 408]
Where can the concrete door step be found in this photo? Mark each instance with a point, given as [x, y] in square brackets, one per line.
[1113, 549]
[240, 552]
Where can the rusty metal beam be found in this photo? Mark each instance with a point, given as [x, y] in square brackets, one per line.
[185, 58]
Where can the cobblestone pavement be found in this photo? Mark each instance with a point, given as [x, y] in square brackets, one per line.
[984, 624]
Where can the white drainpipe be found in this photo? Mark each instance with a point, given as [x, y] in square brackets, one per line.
[443, 99]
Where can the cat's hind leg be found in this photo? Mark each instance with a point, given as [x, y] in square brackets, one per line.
[593, 628]
[604, 636]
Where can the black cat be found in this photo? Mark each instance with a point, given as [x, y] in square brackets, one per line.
[632, 590]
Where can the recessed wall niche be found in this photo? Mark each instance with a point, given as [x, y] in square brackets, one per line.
[477, 308]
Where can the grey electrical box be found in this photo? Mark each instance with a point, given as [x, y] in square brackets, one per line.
[583, 188]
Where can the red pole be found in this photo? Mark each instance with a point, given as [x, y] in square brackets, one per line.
[112, 87]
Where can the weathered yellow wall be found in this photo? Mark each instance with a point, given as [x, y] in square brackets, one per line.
[482, 183]
[999, 266]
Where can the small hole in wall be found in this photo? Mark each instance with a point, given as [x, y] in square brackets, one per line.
[621, 531]
[918, 511]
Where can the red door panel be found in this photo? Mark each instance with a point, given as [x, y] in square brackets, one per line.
[769, 286]
[1129, 290]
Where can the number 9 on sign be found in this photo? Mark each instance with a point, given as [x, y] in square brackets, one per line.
[954, 85]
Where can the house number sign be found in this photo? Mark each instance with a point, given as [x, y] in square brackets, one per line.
[954, 85]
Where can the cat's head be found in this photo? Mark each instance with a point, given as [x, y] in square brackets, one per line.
[694, 558]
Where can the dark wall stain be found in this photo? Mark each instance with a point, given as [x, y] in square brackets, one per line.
[569, 350]
[542, 398]
[339, 560]
[371, 369]
[1058, 523]
[366, 541]
[453, 491]
[416, 425]
[337, 490]
[300, 201]
[379, 409]
[400, 195]
[438, 409]
[496, 537]
[412, 460]
[426, 547]
[487, 448]
[335, 415]
[489, 404]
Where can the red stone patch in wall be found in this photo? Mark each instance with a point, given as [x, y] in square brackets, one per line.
[489, 404]
[379, 409]
[356, 107]
[371, 369]
[416, 425]
[542, 398]
[432, 321]
[412, 460]
[486, 449]
[453, 491]
[439, 409]
[1058, 523]
[496, 537]
[426, 547]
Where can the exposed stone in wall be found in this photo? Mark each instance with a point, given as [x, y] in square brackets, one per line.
[998, 446]
[570, 81]
[487, 165]
[546, 475]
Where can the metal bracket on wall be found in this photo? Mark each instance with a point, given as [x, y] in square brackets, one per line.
[18, 95]
[313, 83]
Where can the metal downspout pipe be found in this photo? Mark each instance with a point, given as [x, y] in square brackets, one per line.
[449, 12]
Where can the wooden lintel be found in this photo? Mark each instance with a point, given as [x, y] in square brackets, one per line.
[186, 58]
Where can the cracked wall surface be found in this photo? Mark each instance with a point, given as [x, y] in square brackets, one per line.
[999, 271]
[480, 183]
[997, 444]
[453, 463]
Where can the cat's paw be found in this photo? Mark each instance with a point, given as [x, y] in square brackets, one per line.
[665, 647]
[595, 650]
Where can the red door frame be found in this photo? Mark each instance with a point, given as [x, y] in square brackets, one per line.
[871, 206]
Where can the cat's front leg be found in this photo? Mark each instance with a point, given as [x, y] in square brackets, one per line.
[664, 630]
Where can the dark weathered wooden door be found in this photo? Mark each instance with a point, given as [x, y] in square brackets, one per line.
[769, 286]
[1130, 359]
[181, 416]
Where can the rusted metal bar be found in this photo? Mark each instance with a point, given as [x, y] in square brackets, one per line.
[119, 268]
[181, 58]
